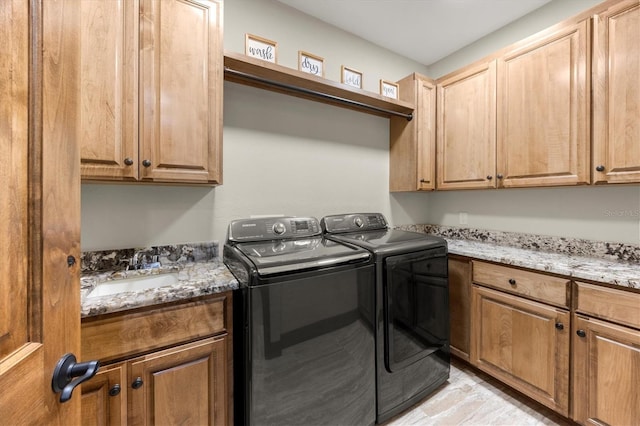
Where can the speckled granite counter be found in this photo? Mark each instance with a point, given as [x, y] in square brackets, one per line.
[200, 272]
[609, 263]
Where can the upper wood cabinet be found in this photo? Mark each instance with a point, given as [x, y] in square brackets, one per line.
[466, 128]
[412, 143]
[543, 128]
[152, 90]
[616, 94]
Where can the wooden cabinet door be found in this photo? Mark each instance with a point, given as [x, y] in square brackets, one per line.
[523, 343]
[466, 128]
[606, 373]
[412, 161]
[183, 385]
[104, 397]
[109, 89]
[39, 208]
[460, 305]
[181, 101]
[543, 111]
[616, 94]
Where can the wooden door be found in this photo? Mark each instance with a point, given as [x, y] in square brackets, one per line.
[543, 110]
[109, 89]
[616, 94]
[40, 208]
[104, 397]
[183, 385]
[606, 373]
[181, 95]
[460, 305]
[523, 343]
[466, 129]
[412, 143]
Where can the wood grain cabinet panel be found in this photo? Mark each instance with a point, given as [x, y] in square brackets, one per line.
[543, 128]
[460, 305]
[466, 128]
[412, 161]
[109, 89]
[152, 90]
[606, 373]
[616, 94]
[185, 385]
[523, 343]
[104, 397]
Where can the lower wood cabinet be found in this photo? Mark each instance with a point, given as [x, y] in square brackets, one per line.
[523, 343]
[606, 373]
[606, 356]
[459, 305]
[104, 397]
[163, 366]
[182, 385]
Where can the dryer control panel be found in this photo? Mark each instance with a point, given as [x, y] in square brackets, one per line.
[353, 222]
[273, 228]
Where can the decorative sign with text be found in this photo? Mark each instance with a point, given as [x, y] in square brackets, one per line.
[351, 77]
[261, 48]
[311, 64]
[388, 89]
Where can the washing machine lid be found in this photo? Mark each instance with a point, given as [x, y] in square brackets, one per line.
[391, 240]
[296, 255]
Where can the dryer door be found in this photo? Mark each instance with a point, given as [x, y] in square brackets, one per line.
[416, 303]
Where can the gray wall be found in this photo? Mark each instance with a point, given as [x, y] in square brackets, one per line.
[284, 155]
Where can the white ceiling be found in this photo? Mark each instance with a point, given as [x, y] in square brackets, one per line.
[423, 30]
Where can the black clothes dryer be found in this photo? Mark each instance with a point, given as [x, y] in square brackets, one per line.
[412, 307]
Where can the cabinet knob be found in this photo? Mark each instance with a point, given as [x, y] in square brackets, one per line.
[146, 163]
[581, 333]
[489, 177]
[560, 326]
[115, 390]
[499, 176]
[128, 161]
[600, 168]
[137, 383]
[423, 181]
[512, 281]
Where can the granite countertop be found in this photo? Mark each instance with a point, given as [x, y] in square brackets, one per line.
[604, 262]
[198, 275]
[619, 273]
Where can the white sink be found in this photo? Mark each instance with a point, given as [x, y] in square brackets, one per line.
[133, 284]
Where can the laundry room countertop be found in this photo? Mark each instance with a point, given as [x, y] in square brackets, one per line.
[609, 263]
[200, 272]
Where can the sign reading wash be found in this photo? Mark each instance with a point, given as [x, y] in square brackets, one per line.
[261, 48]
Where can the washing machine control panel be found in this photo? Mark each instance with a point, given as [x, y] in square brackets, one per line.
[353, 222]
[270, 228]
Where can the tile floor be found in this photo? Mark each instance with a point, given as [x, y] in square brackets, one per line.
[473, 398]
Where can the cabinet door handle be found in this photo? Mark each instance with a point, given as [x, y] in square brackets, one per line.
[489, 177]
[512, 281]
[560, 326]
[499, 176]
[128, 161]
[423, 181]
[146, 163]
[137, 383]
[581, 333]
[115, 390]
[600, 168]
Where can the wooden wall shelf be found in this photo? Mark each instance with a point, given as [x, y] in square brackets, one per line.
[242, 69]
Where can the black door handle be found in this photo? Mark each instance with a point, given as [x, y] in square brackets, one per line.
[68, 374]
